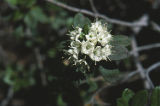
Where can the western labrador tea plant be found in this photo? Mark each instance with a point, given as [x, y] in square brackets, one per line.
[94, 40]
[79, 53]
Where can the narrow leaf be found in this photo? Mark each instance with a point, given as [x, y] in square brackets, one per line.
[80, 20]
[140, 99]
[126, 96]
[118, 52]
[110, 75]
[155, 97]
[120, 40]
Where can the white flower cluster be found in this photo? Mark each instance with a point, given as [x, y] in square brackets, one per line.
[94, 44]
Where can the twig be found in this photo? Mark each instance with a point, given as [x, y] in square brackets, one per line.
[99, 78]
[3, 56]
[9, 96]
[155, 26]
[151, 68]
[146, 47]
[129, 75]
[93, 7]
[40, 66]
[97, 92]
[110, 20]
[139, 66]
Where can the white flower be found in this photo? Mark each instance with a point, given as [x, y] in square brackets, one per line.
[105, 52]
[76, 44]
[92, 38]
[96, 55]
[95, 44]
[98, 27]
[70, 51]
[87, 47]
[104, 39]
[75, 34]
[74, 52]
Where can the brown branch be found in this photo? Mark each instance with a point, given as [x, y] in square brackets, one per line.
[146, 47]
[9, 96]
[147, 83]
[155, 26]
[40, 66]
[99, 78]
[92, 101]
[3, 56]
[93, 7]
[151, 68]
[129, 75]
[109, 20]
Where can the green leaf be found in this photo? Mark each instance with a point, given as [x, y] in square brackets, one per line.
[17, 15]
[52, 52]
[29, 43]
[92, 86]
[110, 75]
[120, 40]
[155, 97]
[29, 21]
[126, 96]
[86, 29]
[60, 101]
[12, 2]
[80, 20]
[118, 52]
[8, 75]
[140, 99]
[18, 78]
[18, 32]
[69, 21]
[38, 14]
[27, 3]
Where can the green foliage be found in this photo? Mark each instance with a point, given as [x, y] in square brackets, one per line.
[110, 75]
[29, 18]
[19, 32]
[12, 2]
[52, 52]
[126, 97]
[93, 86]
[140, 98]
[120, 40]
[86, 29]
[37, 14]
[34, 16]
[118, 52]
[26, 3]
[80, 20]
[60, 101]
[155, 97]
[18, 78]
[60, 20]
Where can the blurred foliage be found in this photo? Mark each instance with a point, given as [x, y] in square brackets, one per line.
[126, 96]
[33, 25]
[155, 97]
[141, 98]
[110, 75]
[19, 77]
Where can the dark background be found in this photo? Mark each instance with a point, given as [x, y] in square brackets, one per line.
[31, 58]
